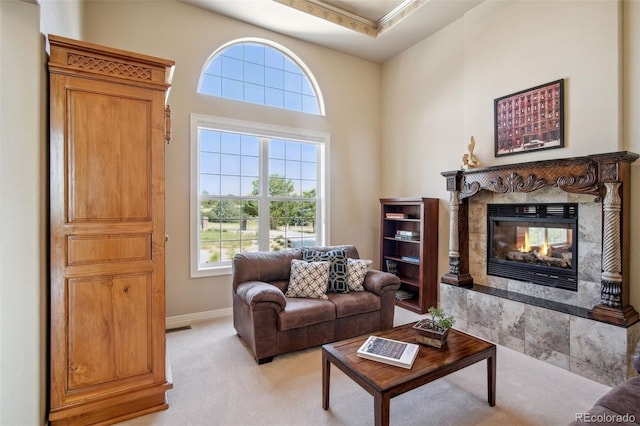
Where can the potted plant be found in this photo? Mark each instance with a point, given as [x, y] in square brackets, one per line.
[433, 331]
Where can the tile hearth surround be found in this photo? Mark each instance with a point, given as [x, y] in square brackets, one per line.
[593, 349]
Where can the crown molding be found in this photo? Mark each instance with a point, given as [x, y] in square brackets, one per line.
[352, 21]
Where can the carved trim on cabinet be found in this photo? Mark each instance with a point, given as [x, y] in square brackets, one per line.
[108, 67]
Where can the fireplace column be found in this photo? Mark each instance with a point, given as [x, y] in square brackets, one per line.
[458, 274]
[614, 297]
[611, 280]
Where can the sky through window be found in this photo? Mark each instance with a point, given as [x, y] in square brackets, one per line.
[260, 74]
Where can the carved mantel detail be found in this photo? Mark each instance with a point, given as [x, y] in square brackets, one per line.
[601, 175]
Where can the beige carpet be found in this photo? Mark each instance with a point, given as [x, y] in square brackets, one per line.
[217, 382]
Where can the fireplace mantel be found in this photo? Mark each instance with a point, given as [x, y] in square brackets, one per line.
[605, 176]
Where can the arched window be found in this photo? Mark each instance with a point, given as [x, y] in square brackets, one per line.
[255, 186]
[261, 72]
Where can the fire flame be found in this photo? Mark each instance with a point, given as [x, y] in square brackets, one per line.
[542, 250]
[526, 247]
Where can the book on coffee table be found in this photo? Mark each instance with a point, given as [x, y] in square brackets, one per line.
[393, 352]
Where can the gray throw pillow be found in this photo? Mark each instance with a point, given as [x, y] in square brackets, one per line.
[337, 267]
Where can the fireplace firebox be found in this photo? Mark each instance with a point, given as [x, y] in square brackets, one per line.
[534, 243]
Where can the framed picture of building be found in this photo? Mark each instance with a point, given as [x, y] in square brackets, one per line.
[530, 120]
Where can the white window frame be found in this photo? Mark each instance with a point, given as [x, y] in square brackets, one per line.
[256, 129]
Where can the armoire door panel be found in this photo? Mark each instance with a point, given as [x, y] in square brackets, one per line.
[109, 176]
[91, 249]
[109, 329]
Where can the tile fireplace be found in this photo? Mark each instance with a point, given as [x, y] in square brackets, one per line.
[577, 315]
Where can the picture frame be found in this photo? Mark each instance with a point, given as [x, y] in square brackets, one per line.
[530, 120]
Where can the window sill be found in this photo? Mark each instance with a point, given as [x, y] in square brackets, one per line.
[212, 271]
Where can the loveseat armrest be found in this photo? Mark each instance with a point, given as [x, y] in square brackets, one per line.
[376, 281]
[259, 294]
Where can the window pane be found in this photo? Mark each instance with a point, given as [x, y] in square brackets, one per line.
[209, 140]
[293, 150]
[291, 66]
[211, 84]
[293, 82]
[292, 101]
[306, 87]
[310, 105]
[209, 162]
[230, 143]
[309, 171]
[277, 148]
[249, 186]
[232, 89]
[232, 68]
[274, 78]
[274, 98]
[308, 188]
[277, 167]
[209, 184]
[254, 53]
[235, 51]
[309, 152]
[274, 59]
[292, 224]
[229, 164]
[229, 185]
[227, 227]
[215, 66]
[250, 166]
[254, 73]
[293, 169]
[249, 145]
[254, 93]
[279, 186]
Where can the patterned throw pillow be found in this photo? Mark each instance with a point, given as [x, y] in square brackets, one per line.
[308, 279]
[356, 271]
[337, 267]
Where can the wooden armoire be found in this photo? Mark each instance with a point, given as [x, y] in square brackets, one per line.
[108, 129]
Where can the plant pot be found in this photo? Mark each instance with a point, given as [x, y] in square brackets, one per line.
[427, 334]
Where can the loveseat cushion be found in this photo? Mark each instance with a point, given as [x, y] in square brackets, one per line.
[337, 267]
[301, 312]
[354, 303]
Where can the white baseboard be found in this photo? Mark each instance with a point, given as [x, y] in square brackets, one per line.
[187, 319]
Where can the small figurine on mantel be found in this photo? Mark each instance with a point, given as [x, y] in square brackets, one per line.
[469, 160]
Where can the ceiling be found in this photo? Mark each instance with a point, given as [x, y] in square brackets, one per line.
[375, 30]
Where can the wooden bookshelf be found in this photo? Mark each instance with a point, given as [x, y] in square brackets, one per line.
[409, 240]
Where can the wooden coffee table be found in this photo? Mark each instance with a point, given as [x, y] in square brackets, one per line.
[385, 381]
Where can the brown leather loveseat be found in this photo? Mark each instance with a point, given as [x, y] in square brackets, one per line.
[272, 323]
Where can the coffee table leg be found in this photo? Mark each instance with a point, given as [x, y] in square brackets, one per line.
[326, 370]
[491, 378]
[381, 408]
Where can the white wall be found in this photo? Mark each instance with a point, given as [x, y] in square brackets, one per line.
[22, 208]
[440, 92]
[631, 127]
[189, 35]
